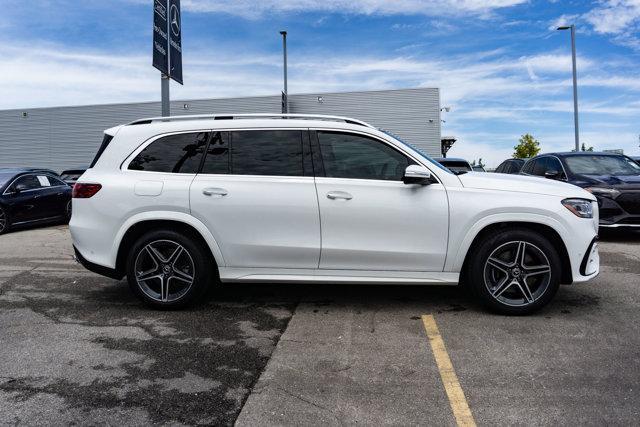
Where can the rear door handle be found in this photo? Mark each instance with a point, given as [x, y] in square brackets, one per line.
[215, 192]
[339, 195]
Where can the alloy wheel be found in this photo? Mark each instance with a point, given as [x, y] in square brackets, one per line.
[517, 273]
[164, 271]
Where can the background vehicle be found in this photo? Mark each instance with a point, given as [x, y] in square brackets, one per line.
[511, 166]
[478, 168]
[636, 159]
[175, 204]
[613, 178]
[29, 196]
[70, 176]
[455, 165]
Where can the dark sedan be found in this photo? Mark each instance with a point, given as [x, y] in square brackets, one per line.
[613, 178]
[510, 166]
[32, 196]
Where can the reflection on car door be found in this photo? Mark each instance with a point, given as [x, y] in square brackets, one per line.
[370, 219]
[256, 194]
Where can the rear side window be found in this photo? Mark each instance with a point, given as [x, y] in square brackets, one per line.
[269, 152]
[528, 167]
[541, 166]
[217, 159]
[502, 168]
[180, 153]
[359, 157]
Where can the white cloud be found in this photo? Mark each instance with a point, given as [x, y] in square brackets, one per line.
[252, 9]
[615, 16]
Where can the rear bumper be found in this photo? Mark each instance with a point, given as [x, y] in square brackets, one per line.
[98, 269]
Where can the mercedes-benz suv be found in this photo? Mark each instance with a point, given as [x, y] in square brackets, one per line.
[179, 204]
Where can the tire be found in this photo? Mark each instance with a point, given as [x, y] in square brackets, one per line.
[506, 282]
[4, 220]
[68, 211]
[169, 270]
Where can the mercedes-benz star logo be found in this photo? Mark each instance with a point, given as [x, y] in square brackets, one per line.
[175, 20]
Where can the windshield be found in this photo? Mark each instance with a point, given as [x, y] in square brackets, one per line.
[456, 166]
[419, 151]
[602, 165]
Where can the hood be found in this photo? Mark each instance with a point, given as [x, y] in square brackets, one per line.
[627, 182]
[522, 184]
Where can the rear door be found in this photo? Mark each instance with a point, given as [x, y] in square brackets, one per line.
[370, 219]
[256, 194]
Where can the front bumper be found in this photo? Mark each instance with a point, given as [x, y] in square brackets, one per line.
[622, 211]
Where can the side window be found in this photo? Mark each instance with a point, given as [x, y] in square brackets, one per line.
[217, 159]
[174, 153]
[55, 181]
[502, 168]
[359, 157]
[267, 152]
[540, 167]
[553, 164]
[528, 167]
[30, 182]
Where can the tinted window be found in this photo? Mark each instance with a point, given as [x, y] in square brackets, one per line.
[528, 167]
[55, 181]
[540, 166]
[29, 181]
[502, 168]
[457, 166]
[553, 164]
[217, 159]
[272, 152]
[354, 156]
[516, 166]
[175, 153]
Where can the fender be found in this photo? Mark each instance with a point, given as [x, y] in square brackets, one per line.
[455, 262]
[169, 216]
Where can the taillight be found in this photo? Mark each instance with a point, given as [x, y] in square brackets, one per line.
[85, 191]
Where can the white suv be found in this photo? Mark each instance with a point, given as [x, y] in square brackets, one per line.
[178, 204]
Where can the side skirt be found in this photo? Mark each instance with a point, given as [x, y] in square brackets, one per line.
[368, 277]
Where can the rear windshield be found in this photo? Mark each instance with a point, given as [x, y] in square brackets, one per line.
[105, 142]
[602, 165]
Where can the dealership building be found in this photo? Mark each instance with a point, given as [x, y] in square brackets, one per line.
[68, 137]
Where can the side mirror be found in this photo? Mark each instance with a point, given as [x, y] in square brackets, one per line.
[415, 174]
[553, 174]
[19, 188]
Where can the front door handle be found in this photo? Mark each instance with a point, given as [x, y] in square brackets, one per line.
[339, 195]
[215, 192]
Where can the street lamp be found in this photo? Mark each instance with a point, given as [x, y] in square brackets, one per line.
[575, 81]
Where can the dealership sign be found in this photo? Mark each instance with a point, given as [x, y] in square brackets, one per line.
[167, 38]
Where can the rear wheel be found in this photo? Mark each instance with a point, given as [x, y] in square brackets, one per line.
[166, 269]
[68, 211]
[516, 271]
[4, 221]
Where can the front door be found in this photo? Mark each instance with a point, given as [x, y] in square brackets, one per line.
[26, 202]
[256, 194]
[370, 219]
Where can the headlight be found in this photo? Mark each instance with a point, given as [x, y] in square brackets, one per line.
[603, 191]
[579, 207]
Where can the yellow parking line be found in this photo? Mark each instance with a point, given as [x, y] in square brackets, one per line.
[458, 402]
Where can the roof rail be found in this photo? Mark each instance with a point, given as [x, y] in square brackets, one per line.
[251, 116]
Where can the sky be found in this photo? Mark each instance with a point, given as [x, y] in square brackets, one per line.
[500, 65]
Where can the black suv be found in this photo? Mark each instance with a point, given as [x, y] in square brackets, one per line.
[511, 166]
[613, 178]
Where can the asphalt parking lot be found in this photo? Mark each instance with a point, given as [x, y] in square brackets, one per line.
[78, 348]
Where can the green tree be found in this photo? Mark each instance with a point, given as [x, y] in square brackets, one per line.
[527, 147]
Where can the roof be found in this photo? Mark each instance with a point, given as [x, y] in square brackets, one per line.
[5, 171]
[579, 153]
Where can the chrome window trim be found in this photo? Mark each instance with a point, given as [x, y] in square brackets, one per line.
[7, 192]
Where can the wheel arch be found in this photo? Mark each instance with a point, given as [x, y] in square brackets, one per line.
[132, 231]
[545, 230]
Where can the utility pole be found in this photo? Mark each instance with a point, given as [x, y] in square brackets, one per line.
[285, 104]
[164, 82]
[575, 82]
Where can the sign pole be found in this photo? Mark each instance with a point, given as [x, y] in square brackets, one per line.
[285, 103]
[166, 106]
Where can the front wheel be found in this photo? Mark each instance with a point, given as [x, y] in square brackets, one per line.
[516, 271]
[4, 221]
[166, 269]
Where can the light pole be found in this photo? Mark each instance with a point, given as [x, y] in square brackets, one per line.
[575, 81]
[285, 103]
